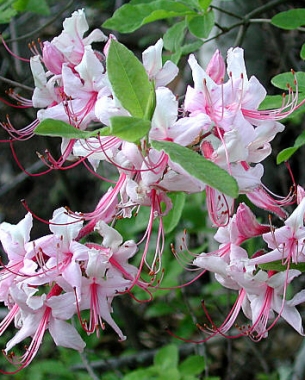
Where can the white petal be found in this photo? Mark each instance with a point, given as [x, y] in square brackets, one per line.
[152, 58]
[111, 237]
[65, 335]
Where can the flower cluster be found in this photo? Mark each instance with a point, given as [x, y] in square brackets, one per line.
[218, 123]
[48, 280]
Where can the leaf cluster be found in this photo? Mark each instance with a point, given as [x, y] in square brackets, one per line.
[10, 8]
[194, 17]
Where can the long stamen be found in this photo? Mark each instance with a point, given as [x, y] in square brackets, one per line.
[11, 52]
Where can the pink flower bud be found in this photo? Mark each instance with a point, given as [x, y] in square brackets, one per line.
[52, 58]
[216, 68]
[107, 45]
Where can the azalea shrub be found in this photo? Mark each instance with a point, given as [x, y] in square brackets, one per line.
[152, 150]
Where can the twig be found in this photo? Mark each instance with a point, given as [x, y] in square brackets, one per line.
[20, 178]
[88, 366]
[264, 8]
[16, 84]
[36, 31]
[247, 19]
[140, 358]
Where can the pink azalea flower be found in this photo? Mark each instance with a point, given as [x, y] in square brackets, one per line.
[15, 242]
[80, 89]
[287, 242]
[71, 42]
[265, 296]
[260, 294]
[216, 68]
[63, 253]
[165, 123]
[52, 58]
[236, 141]
[36, 314]
[108, 274]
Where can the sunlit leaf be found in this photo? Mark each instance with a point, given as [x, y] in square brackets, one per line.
[58, 128]
[130, 17]
[130, 129]
[199, 167]
[204, 4]
[129, 80]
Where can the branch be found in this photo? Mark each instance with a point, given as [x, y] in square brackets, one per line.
[142, 358]
[16, 84]
[36, 31]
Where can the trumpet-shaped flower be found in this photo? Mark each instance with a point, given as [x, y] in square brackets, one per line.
[287, 242]
[36, 314]
[71, 42]
[15, 242]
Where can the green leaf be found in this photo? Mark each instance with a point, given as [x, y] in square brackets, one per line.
[135, 2]
[285, 154]
[6, 15]
[174, 36]
[167, 357]
[302, 52]
[193, 365]
[199, 167]
[279, 267]
[35, 6]
[129, 80]
[171, 220]
[291, 19]
[169, 373]
[284, 79]
[193, 46]
[49, 369]
[204, 4]
[130, 129]
[173, 270]
[200, 26]
[58, 128]
[276, 102]
[131, 17]
[6, 11]
[271, 102]
[140, 374]
[158, 309]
